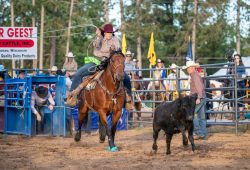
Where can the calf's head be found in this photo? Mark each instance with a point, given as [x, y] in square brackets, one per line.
[187, 106]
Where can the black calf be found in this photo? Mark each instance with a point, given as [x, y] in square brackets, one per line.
[175, 117]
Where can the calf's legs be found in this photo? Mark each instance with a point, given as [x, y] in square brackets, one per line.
[168, 142]
[190, 135]
[184, 138]
[156, 131]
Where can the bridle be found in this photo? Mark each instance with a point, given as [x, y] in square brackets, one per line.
[115, 67]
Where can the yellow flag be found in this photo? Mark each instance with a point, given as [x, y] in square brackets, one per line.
[151, 51]
[124, 44]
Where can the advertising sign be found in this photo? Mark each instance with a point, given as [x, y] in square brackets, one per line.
[18, 43]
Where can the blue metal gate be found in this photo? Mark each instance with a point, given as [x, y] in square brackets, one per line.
[55, 119]
[18, 117]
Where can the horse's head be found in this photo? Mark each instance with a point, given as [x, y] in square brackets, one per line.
[116, 63]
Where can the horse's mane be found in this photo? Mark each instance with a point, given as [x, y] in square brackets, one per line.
[116, 52]
[106, 62]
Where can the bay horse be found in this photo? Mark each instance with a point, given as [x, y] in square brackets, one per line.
[107, 97]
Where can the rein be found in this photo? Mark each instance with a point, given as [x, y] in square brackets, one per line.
[118, 91]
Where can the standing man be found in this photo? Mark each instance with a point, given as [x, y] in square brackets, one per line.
[137, 68]
[171, 83]
[197, 86]
[129, 64]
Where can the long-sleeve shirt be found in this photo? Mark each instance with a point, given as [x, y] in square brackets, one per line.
[240, 70]
[36, 100]
[102, 46]
[71, 67]
[129, 66]
[197, 85]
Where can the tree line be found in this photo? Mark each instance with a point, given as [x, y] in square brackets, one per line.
[217, 31]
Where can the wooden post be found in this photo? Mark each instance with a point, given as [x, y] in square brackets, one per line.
[41, 38]
[194, 29]
[34, 62]
[69, 26]
[139, 58]
[12, 24]
[122, 17]
[238, 28]
[106, 11]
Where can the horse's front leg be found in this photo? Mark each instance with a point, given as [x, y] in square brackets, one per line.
[103, 119]
[115, 119]
[102, 131]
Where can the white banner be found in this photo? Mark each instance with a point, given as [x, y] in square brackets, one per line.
[18, 43]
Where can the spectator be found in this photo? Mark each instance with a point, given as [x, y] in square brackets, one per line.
[129, 64]
[137, 68]
[70, 65]
[21, 74]
[241, 72]
[199, 69]
[41, 98]
[197, 86]
[163, 71]
[53, 71]
[171, 83]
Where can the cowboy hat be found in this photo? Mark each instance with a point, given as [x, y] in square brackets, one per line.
[54, 68]
[128, 53]
[70, 54]
[135, 60]
[41, 91]
[173, 66]
[190, 64]
[108, 28]
[158, 60]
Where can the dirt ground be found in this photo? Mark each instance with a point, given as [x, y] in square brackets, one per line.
[219, 151]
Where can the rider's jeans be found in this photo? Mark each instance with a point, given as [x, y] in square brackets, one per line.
[85, 70]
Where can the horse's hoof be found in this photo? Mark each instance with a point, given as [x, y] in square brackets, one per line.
[102, 141]
[77, 137]
[153, 152]
[113, 149]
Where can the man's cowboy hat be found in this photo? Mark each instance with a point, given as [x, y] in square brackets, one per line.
[158, 60]
[108, 28]
[54, 68]
[173, 66]
[70, 54]
[129, 53]
[190, 64]
[41, 91]
[135, 60]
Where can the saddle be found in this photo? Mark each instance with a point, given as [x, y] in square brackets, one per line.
[88, 83]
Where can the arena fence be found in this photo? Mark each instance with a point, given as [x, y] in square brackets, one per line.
[222, 103]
